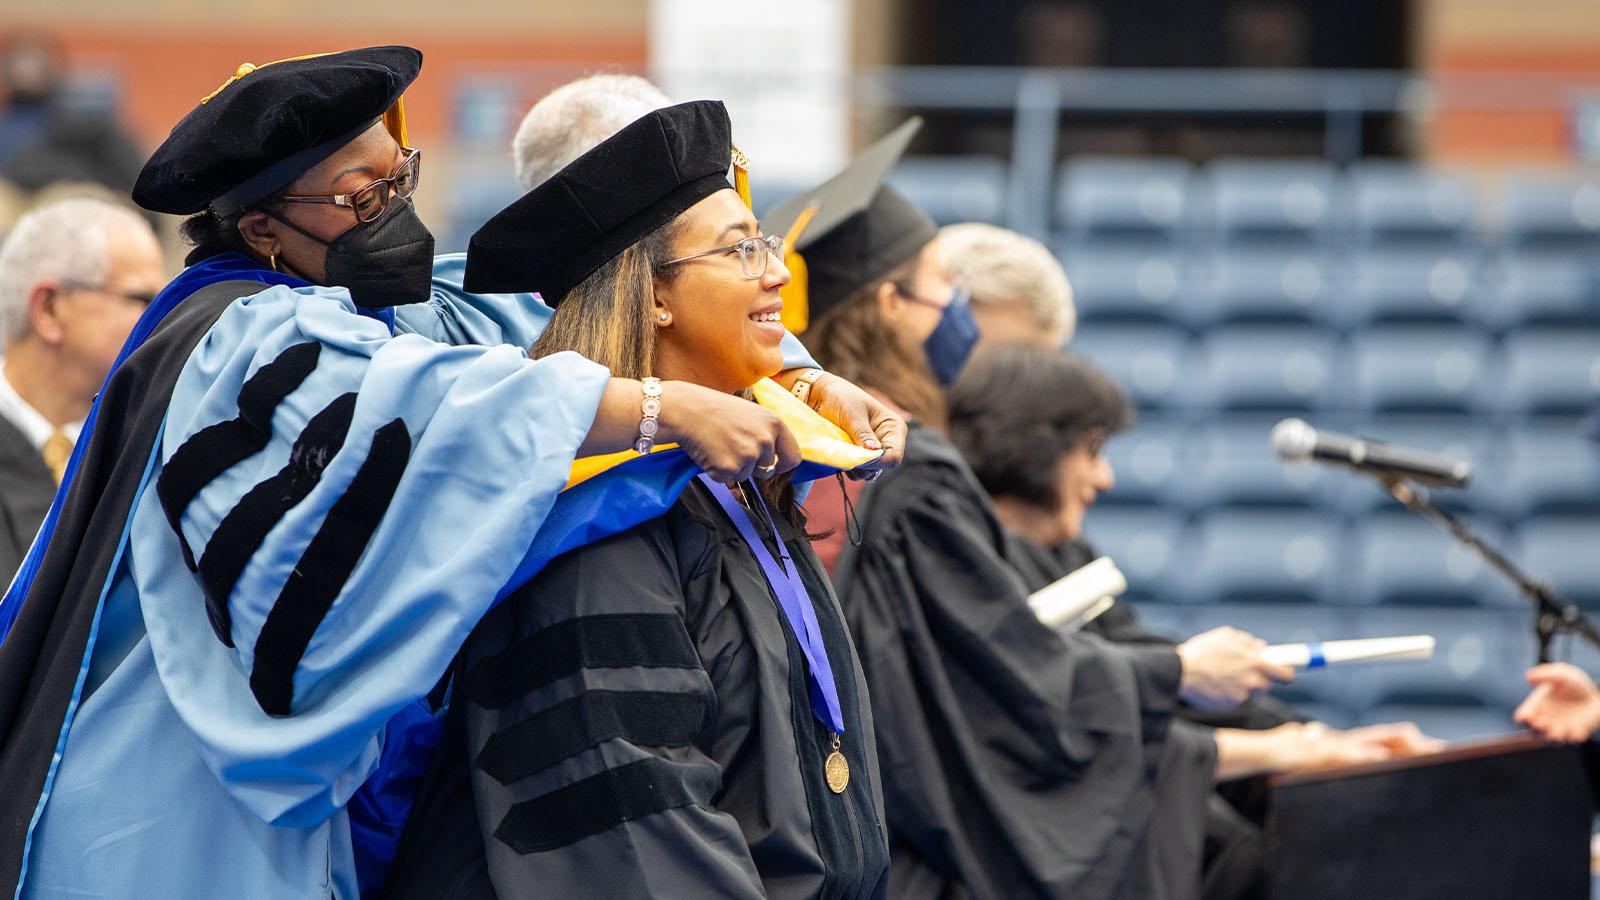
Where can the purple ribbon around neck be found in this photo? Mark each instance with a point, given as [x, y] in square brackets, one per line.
[795, 600]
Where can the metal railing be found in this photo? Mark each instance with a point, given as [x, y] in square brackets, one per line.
[1040, 99]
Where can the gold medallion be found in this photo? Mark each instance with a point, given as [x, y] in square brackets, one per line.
[837, 769]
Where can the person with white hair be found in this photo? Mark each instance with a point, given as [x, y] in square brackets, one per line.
[1019, 291]
[574, 118]
[74, 277]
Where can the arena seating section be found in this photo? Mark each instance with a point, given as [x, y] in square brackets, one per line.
[1383, 300]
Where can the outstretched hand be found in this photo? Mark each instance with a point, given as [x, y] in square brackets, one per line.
[1564, 704]
[868, 421]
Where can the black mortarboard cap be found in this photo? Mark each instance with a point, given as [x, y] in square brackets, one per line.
[268, 124]
[603, 202]
[856, 229]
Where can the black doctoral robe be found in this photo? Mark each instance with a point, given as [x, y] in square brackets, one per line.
[26, 489]
[1039, 566]
[1017, 762]
[635, 722]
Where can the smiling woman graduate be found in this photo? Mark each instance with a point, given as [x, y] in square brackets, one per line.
[676, 711]
[292, 502]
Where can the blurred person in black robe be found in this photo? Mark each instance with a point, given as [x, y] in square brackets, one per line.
[1017, 762]
[653, 715]
[47, 135]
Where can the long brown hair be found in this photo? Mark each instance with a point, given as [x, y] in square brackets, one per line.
[853, 341]
[609, 319]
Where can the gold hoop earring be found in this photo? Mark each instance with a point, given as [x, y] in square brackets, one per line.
[272, 259]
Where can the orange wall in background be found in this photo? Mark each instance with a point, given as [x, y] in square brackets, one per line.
[1467, 44]
[165, 72]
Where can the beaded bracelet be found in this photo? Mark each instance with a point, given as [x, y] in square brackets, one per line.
[649, 410]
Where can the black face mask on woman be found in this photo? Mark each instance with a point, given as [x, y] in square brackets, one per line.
[385, 262]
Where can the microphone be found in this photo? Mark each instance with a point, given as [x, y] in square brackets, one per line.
[1293, 439]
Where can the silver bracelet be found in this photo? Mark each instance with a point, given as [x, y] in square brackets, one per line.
[803, 384]
[649, 410]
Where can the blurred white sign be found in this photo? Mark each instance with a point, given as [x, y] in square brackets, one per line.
[782, 66]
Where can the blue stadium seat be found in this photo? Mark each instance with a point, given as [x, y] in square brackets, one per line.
[1416, 369]
[1274, 200]
[1261, 286]
[1168, 620]
[1462, 437]
[1123, 198]
[1144, 543]
[1552, 212]
[1550, 372]
[1149, 460]
[1562, 552]
[1402, 559]
[1479, 657]
[1548, 467]
[954, 188]
[1146, 360]
[1263, 556]
[1540, 289]
[1397, 202]
[1233, 464]
[1411, 286]
[1262, 369]
[1118, 284]
[1448, 721]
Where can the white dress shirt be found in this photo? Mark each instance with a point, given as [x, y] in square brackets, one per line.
[33, 425]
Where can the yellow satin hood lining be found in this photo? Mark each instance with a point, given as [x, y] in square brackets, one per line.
[820, 440]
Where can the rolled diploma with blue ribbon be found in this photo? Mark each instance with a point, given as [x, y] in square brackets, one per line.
[1319, 654]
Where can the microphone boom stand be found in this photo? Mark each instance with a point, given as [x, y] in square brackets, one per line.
[1552, 615]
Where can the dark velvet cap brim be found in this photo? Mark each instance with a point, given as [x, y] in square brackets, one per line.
[495, 252]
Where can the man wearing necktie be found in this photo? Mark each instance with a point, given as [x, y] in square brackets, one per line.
[74, 277]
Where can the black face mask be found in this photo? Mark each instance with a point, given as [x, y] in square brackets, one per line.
[385, 262]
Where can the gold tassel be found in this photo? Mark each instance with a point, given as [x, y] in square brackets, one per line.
[796, 315]
[741, 176]
[395, 122]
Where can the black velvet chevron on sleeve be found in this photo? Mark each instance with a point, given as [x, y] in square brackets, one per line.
[325, 567]
[645, 718]
[595, 804]
[41, 658]
[634, 639]
[245, 527]
[217, 448]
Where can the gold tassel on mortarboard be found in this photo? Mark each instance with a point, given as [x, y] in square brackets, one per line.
[796, 315]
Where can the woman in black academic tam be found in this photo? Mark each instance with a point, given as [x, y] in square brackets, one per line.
[676, 711]
[306, 480]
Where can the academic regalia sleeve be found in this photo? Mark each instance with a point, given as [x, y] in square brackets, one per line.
[334, 511]
[452, 315]
[586, 707]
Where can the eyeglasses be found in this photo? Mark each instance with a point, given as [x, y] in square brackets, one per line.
[369, 201]
[753, 254]
[132, 296]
